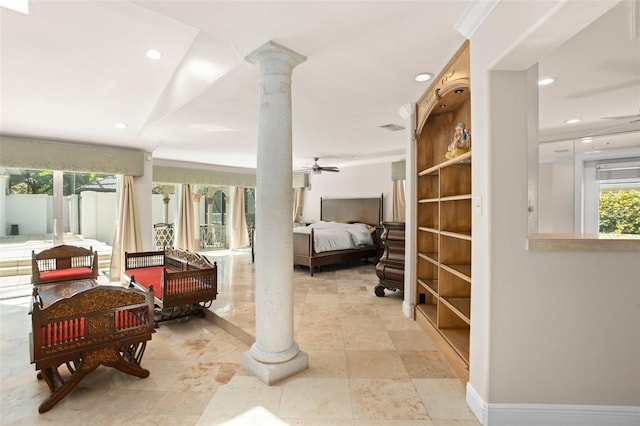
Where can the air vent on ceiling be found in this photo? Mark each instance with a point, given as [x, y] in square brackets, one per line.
[392, 127]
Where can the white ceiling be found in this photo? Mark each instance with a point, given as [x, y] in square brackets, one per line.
[70, 70]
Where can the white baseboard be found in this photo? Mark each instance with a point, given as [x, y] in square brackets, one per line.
[490, 414]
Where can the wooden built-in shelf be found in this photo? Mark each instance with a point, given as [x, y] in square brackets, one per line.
[458, 338]
[456, 197]
[425, 229]
[461, 306]
[429, 312]
[429, 285]
[431, 257]
[462, 271]
[443, 214]
[462, 236]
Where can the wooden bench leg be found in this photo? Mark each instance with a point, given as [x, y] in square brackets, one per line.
[126, 360]
[58, 394]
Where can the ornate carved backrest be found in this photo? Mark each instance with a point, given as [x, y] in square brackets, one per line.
[191, 259]
[63, 257]
[100, 314]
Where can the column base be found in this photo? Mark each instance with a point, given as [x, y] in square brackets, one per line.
[271, 373]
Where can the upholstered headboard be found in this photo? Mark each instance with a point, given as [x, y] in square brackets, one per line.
[363, 210]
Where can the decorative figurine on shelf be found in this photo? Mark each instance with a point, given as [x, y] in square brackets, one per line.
[461, 142]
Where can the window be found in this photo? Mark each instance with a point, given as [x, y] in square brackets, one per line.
[619, 197]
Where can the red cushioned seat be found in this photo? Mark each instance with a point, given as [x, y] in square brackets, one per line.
[66, 274]
[147, 277]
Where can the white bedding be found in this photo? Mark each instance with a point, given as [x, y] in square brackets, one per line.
[330, 236]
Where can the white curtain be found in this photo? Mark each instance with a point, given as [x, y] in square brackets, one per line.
[297, 203]
[186, 225]
[398, 201]
[127, 237]
[239, 233]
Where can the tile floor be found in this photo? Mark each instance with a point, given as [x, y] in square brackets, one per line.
[369, 365]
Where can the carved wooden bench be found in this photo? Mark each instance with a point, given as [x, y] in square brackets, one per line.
[184, 282]
[63, 263]
[95, 325]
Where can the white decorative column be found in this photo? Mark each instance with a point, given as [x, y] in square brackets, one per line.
[58, 208]
[196, 221]
[4, 186]
[274, 355]
[408, 113]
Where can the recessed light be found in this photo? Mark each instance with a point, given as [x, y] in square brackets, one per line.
[573, 120]
[459, 90]
[121, 125]
[545, 81]
[153, 54]
[587, 140]
[424, 76]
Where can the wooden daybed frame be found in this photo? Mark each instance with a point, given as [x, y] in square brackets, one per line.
[184, 282]
[96, 325]
[351, 210]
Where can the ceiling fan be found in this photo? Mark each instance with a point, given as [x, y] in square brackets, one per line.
[317, 169]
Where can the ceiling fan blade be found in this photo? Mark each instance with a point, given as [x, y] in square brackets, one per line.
[316, 168]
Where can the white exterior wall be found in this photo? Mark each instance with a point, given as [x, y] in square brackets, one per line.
[89, 206]
[30, 212]
[98, 215]
[4, 185]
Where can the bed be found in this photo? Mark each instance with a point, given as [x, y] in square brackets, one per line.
[317, 244]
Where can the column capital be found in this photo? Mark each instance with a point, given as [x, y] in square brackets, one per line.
[273, 50]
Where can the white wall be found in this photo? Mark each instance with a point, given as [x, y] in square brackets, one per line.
[33, 213]
[29, 212]
[556, 197]
[368, 181]
[143, 185]
[548, 328]
[99, 211]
